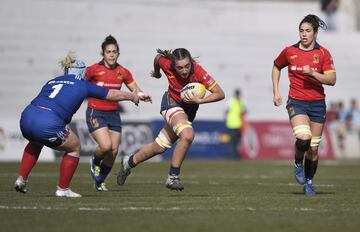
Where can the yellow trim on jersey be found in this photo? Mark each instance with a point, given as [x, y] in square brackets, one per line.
[212, 86]
[329, 71]
[131, 83]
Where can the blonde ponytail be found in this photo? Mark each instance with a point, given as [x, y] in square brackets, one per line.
[68, 62]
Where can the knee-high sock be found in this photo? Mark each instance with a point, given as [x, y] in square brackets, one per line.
[67, 169]
[310, 168]
[104, 171]
[29, 159]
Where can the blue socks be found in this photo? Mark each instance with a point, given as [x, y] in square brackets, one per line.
[131, 162]
[174, 171]
[97, 160]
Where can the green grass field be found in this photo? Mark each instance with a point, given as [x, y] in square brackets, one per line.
[218, 196]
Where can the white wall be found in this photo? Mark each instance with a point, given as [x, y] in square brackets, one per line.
[236, 42]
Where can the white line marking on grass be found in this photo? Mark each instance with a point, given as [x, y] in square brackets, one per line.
[94, 209]
[295, 184]
[214, 183]
[40, 174]
[30, 207]
[321, 210]
[175, 208]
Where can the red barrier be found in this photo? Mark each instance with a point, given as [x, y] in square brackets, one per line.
[272, 140]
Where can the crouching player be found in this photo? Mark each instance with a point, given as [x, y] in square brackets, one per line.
[44, 122]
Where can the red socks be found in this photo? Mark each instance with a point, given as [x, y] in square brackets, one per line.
[30, 156]
[67, 169]
[29, 159]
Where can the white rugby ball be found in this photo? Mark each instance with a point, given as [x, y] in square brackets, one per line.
[196, 88]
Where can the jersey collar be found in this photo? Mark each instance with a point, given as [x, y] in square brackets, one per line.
[102, 62]
[317, 46]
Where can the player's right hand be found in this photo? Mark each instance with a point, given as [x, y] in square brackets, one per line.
[135, 97]
[277, 100]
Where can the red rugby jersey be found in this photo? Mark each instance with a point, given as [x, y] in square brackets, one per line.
[100, 75]
[303, 86]
[176, 83]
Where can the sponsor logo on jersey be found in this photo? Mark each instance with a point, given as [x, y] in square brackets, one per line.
[293, 57]
[101, 73]
[111, 85]
[295, 68]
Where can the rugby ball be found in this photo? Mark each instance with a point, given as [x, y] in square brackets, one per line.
[196, 88]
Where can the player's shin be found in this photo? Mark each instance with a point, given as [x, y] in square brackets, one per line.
[68, 167]
[29, 159]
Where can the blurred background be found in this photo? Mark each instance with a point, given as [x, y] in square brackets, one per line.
[235, 41]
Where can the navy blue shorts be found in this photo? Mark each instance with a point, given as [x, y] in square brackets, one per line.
[43, 126]
[315, 110]
[96, 119]
[167, 103]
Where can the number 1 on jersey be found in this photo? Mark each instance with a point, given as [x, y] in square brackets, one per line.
[56, 90]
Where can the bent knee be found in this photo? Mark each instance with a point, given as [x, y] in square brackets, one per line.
[187, 135]
[105, 148]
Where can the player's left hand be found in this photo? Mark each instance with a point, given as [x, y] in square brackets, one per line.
[191, 98]
[307, 70]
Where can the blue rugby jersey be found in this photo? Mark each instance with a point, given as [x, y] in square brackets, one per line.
[64, 95]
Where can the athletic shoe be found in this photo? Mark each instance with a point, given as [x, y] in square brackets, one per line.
[20, 185]
[125, 170]
[174, 183]
[299, 173]
[66, 193]
[101, 187]
[95, 171]
[309, 188]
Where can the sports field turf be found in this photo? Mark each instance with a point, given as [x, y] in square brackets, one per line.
[218, 196]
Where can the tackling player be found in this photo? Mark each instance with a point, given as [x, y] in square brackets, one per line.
[180, 69]
[310, 66]
[44, 122]
[103, 116]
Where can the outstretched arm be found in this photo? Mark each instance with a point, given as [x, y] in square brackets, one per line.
[143, 96]
[117, 95]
